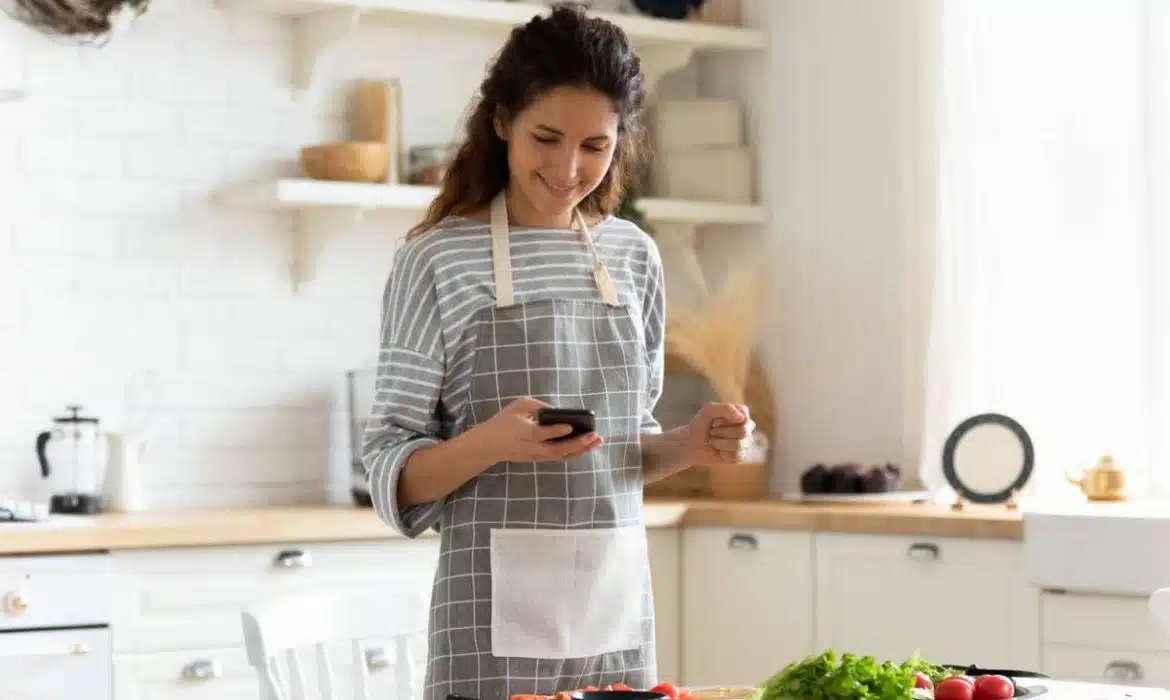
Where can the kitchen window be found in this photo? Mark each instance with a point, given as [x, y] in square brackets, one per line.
[1051, 255]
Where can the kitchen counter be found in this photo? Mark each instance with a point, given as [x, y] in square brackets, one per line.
[925, 519]
[259, 525]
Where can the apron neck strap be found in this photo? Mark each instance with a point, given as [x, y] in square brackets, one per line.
[502, 261]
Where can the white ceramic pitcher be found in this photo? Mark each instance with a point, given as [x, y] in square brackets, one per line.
[122, 488]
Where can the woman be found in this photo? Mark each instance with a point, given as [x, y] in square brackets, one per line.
[520, 290]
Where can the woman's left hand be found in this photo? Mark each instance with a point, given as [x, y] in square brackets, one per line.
[720, 433]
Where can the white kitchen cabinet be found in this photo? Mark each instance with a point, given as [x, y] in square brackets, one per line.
[1101, 638]
[191, 598]
[957, 601]
[224, 674]
[665, 571]
[192, 674]
[748, 600]
[177, 628]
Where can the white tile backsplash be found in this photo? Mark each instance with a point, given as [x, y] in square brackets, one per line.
[117, 262]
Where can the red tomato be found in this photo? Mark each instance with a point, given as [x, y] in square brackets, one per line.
[921, 680]
[608, 687]
[685, 694]
[954, 689]
[993, 688]
[589, 688]
[666, 689]
[621, 686]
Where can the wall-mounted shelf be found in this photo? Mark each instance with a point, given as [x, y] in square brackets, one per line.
[663, 45]
[325, 208]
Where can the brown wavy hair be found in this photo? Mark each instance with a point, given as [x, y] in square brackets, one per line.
[567, 48]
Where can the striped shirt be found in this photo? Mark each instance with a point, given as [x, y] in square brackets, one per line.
[438, 283]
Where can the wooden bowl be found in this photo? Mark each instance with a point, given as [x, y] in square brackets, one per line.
[347, 161]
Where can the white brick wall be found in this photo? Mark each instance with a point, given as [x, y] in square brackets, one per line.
[116, 265]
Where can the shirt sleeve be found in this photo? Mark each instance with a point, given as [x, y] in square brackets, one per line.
[654, 319]
[408, 383]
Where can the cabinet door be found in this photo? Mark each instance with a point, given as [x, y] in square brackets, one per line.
[665, 571]
[180, 599]
[224, 674]
[748, 599]
[198, 674]
[1103, 639]
[51, 664]
[956, 601]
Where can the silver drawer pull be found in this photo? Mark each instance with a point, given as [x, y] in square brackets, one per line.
[924, 551]
[376, 658]
[294, 559]
[1123, 671]
[202, 670]
[743, 541]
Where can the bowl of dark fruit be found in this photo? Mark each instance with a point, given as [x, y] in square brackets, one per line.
[850, 478]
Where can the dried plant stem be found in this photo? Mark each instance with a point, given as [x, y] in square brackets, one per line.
[718, 339]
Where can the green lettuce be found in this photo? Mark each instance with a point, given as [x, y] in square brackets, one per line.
[833, 676]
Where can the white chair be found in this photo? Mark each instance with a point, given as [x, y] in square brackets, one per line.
[1160, 609]
[287, 626]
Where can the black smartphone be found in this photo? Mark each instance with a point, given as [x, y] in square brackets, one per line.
[582, 420]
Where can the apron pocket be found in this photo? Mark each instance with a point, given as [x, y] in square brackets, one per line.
[566, 594]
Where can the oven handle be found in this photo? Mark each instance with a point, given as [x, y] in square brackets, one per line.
[74, 650]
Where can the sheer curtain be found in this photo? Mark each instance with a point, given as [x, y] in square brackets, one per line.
[1050, 263]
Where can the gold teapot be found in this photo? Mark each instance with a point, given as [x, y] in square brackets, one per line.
[1103, 482]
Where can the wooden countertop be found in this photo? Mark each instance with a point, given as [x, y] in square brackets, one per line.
[261, 525]
[924, 519]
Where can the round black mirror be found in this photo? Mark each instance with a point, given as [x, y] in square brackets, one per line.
[988, 458]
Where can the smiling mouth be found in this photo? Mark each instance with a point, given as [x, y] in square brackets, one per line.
[563, 191]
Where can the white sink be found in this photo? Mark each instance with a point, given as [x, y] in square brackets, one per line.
[1121, 549]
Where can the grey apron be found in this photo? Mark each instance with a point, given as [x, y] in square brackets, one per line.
[543, 581]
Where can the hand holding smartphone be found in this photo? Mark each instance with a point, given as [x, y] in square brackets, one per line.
[582, 420]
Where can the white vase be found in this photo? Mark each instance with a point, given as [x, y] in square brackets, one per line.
[122, 488]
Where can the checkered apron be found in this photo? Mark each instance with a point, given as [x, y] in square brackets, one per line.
[543, 581]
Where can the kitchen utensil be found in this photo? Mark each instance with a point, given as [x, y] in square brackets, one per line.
[988, 458]
[618, 695]
[72, 456]
[359, 387]
[861, 498]
[122, 486]
[1103, 482]
[347, 161]
[139, 399]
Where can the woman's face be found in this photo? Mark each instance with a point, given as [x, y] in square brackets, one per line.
[559, 150]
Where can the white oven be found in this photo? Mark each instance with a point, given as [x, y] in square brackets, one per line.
[55, 616]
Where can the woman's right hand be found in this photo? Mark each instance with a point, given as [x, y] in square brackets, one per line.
[512, 435]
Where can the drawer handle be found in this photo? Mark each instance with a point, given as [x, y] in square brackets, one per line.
[202, 670]
[376, 658]
[924, 551]
[1123, 671]
[739, 540]
[294, 559]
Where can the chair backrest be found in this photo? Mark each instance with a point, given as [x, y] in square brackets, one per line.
[282, 629]
[1160, 609]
